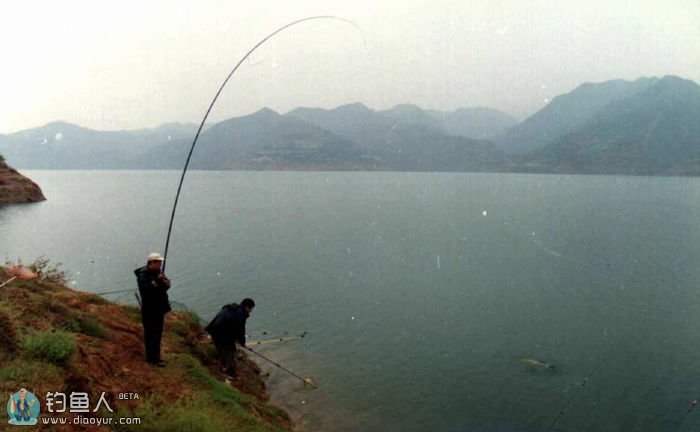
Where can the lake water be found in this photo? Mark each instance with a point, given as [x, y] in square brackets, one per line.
[419, 291]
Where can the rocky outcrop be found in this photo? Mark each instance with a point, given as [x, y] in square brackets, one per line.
[16, 188]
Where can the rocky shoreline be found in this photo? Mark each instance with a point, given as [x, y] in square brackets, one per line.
[16, 188]
[56, 339]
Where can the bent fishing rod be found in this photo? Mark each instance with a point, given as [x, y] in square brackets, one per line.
[206, 115]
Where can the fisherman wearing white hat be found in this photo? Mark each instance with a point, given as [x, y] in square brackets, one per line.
[153, 288]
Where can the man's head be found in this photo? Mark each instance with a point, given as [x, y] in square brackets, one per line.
[248, 304]
[155, 261]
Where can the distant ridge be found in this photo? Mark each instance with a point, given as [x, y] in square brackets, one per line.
[566, 113]
[653, 131]
[644, 127]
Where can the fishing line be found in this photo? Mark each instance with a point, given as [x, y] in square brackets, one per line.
[604, 266]
[271, 333]
[276, 340]
[308, 381]
[611, 274]
[194, 142]
[115, 292]
[627, 276]
[573, 396]
[693, 404]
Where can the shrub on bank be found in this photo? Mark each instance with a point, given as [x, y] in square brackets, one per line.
[56, 347]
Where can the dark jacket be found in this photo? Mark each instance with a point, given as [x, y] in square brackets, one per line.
[153, 291]
[228, 326]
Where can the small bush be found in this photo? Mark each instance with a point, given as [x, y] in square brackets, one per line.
[70, 324]
[55, 347]
[91, 327]
[51, 273]
[55, 306]
[42, 267]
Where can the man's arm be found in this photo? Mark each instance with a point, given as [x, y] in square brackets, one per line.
[163, 281]
[240, 332]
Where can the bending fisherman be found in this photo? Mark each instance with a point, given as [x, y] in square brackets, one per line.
[228, 328]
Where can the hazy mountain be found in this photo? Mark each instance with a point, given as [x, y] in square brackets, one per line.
[477, 123]
[654, 131]
[411, 147]
[649, 126]
[349, 137]
[408, 114]
[355, 120]
[404, 138]
[566, 113]
[61, 145]
[265, 140]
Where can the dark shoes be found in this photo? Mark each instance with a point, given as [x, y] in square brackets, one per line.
[159, 363]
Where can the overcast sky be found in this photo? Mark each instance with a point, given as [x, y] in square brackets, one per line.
[128, 65]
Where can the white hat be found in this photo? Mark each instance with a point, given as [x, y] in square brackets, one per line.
[155, 256]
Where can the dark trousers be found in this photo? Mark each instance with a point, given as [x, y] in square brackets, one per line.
[152, 334]
[22, 416]
[227, 356]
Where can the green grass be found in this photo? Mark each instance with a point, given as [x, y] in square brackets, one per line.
[73, 321]
[214, 407]
[55, 347]
[180, 328]
[219, 390]
[96, 300]
[90, 326]
[70, 324]
[24, 372]
[182, 416]
[133, 312]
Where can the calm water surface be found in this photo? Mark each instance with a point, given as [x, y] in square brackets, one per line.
[420, 292]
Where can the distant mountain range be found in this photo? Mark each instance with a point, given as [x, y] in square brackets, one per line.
[350, 137]
[61, 145]
[647, 126]
[566, 113]
[650, 128]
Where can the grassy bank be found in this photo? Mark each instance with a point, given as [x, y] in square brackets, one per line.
[55, 339]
